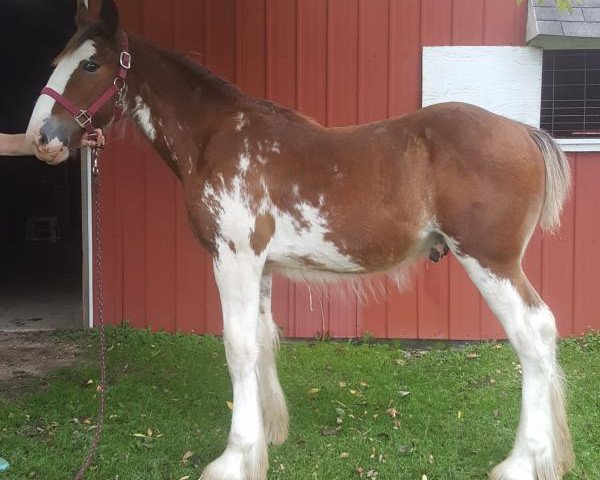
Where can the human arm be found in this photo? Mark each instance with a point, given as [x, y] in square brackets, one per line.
[17, 144]
[13, 145]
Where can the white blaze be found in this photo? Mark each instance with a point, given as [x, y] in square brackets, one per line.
[58, 81]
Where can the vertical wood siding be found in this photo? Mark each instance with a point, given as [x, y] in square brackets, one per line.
[341, 62]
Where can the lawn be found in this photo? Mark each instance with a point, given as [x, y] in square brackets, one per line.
[378, 410]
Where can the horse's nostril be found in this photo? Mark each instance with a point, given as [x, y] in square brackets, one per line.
[45, 134]
[53, 130]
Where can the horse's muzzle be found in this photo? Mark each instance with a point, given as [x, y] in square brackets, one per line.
[54, 131]
[51, 141]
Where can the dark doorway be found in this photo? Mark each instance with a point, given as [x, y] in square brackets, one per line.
[40, 279]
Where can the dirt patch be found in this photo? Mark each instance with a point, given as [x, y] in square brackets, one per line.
[28, 355]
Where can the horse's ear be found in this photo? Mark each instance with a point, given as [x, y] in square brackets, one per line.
[109, 17]
[82, 17]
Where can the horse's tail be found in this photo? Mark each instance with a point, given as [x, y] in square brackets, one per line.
[558, 178]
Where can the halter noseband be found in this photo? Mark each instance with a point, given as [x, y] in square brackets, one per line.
[84, 117]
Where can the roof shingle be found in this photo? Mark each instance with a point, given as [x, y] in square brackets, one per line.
[544, 19]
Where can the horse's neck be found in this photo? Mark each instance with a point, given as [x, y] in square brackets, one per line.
[174, 104]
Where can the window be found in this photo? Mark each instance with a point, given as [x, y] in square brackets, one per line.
[571, 93]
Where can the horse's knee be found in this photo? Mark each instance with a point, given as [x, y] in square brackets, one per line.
[242, 354]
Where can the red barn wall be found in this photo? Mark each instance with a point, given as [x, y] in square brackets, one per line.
[341, 62]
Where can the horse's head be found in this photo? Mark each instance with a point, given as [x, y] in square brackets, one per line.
[85, 69]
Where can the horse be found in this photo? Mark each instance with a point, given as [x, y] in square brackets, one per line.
[268, 189]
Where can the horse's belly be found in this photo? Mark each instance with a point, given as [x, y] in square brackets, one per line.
[305, 246]
[308, 243]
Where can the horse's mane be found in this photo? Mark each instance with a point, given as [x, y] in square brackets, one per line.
[227, 88]
[220, 85]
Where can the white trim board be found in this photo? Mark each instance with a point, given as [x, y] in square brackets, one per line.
[87, 234]
[503, 80]
[579, 144]
[87, 247]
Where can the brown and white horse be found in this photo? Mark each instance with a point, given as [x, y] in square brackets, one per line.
[268, 189]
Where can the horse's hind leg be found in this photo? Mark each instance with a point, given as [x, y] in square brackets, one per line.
[542, 450]
[274, 409]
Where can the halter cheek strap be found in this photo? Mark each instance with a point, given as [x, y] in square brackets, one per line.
[84, 117]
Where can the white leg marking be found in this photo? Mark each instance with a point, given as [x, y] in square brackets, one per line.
[238, 275]
[542, 450]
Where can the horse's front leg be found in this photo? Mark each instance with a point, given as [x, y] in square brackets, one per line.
[238, 277]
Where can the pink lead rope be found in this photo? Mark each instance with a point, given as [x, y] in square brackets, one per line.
[84, 117]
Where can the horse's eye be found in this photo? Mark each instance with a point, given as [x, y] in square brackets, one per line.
[89, 66]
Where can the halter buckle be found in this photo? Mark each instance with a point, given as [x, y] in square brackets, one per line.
[125, 60]
[83, 118]
[119, 83]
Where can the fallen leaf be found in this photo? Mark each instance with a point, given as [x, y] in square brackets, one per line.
[186, 456]
[314, 391]
[403, 393]
[472, 355]
[230, 405]
[344, 455]
[392, 412]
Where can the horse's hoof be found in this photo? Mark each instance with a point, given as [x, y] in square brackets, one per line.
[511, 469]
[227, 467]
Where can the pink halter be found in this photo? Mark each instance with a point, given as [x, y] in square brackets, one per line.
[84, 117]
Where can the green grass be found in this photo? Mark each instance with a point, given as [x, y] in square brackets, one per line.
[457, 421]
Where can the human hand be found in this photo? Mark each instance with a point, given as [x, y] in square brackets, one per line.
[93, 140]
